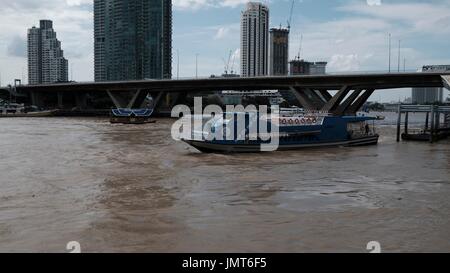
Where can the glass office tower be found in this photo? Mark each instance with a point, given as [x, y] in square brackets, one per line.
[133, 39]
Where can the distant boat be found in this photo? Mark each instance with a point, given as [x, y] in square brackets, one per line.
[131, 116]
[294, 132]
[15, 110]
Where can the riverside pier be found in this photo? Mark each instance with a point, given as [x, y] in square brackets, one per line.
[436, 125]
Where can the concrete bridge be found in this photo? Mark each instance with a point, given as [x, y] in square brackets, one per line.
[312, 92]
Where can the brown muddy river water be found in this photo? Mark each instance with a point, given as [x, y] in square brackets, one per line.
[122, 188]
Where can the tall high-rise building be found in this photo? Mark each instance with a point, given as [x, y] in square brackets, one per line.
[279, 51]
[430, 95]
[254, 40]
[46, 62]
[132, 39]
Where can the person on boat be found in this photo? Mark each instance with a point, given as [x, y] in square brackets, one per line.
[367, 128]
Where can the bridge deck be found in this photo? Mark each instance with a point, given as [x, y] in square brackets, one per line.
[329, 82]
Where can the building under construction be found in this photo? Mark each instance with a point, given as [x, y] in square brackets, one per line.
[302, 67]
[278, 52]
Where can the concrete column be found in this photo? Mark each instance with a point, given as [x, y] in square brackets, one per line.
[336, 100]
[306, 103]
[138, 99]
[325, 95]
[157, 99]
[36, 99]
[118, 101]
[81, 100]
[343, 108]
[317, 100]
[60, 100]
[360, 101]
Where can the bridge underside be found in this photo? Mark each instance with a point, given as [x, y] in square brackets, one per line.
[310, 92]
[347, 101]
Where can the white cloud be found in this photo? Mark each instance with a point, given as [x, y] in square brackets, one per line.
[232, 3]
[191, 4]
[222, 32]
[418, 17]
[78, 2]
[197, 4]
[344, 63]
[374, 2]
[359, 40]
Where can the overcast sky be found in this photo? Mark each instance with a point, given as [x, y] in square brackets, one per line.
[352, 35]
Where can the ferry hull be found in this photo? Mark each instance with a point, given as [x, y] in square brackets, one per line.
[210, 147]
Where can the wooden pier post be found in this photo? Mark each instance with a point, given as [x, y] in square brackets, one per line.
[433, 116]
[406, 122]
[438, 121]
[399, 121]
[427, 120]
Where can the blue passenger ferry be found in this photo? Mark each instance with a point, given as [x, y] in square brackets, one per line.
[294, 132]
[131, 116]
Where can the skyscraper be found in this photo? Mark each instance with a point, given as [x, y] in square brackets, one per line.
[254, 40]
[133, 39]
[46, 62]
[430, 95]
[279, 52]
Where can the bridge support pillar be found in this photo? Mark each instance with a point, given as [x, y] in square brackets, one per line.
[60, 100]
[121, 100]
[332, 104]
[37, 99]
[325, 94]
[117, 99]
[137, 101]
[81, 100]
[303, 99]
[343, 108]
[316, 98]
[446, 81]
[352, 109]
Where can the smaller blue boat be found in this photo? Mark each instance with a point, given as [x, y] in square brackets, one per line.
[131, 116]
[294, 132]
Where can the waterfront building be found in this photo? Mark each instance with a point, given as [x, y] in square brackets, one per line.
[302, 67]
[279, 52]
[46, 62]
[254, 40]
[430, 95]
[132, 39]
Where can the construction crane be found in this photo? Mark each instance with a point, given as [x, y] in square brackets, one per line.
[290, 16]
[299, 55]
[233, 62]
[227, 63]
